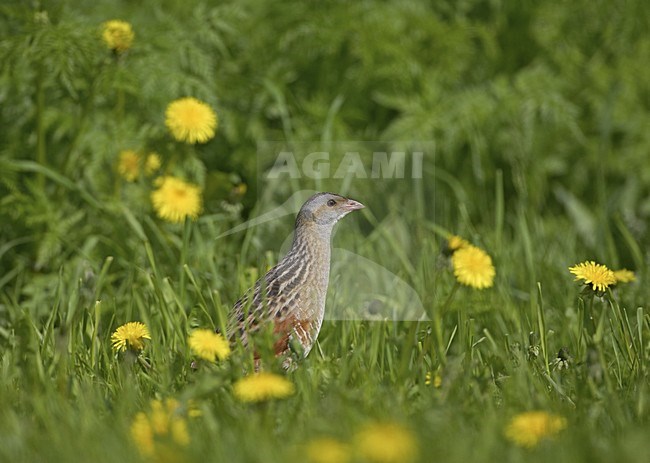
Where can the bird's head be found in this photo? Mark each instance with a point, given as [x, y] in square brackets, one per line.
[326, 209]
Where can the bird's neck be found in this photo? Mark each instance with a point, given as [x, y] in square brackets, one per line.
[311, 250]
[313, 240]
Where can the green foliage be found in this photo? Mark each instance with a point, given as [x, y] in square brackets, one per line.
[539, 113]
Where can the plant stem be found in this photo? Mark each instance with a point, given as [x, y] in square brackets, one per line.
[437, 324]
[445, 306]
[590, 314]
[41, 149]
[119, 106]
[70, 157]
[187, 232]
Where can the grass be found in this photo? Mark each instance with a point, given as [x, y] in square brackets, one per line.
[533, 145]
[65, 393]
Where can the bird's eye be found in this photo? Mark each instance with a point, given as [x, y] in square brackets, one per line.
[331, 203]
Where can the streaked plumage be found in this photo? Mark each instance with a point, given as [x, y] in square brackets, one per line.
[291, 296]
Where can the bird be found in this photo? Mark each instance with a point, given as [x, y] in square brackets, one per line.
[290, 298]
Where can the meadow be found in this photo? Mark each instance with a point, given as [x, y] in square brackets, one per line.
[135, 144]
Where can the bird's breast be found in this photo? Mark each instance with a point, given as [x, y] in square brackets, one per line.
[310, 278]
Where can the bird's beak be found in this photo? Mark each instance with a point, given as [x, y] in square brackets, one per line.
[352, 205]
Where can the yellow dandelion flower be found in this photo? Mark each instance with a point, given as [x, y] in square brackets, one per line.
[160, 429]
[528, 429]
[128, 165]
[473, 267]
[193, 409]
[598, 275]
[152, 163]
[386, 443]
[131, 335]
[160, 413]
[327, 450]
[174, 200]
[179, 432]
[430, 379]
[240, 190]
[263, 386]
[209, 345]
[190, 120]
[624, 276]
[454, 243]
[118, 35]
[142, 434]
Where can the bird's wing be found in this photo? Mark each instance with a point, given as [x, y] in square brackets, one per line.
[276, 297]
[258, 303]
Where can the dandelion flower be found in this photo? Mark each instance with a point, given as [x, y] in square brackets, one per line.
[142, 434]
[436, 380]
[118, 35]
[174, 200]
[386, 443]
[528, 429]
[190, 120]
[131, 335]
[624, 276]
[473, 267]
[327, 450]
[239, 190]
[193, 409]
[152, 163]
[454, 243]
[166, 420]
[128, 165]
[263, 386]
[598, 275]
[209, 345]
[160, 429]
